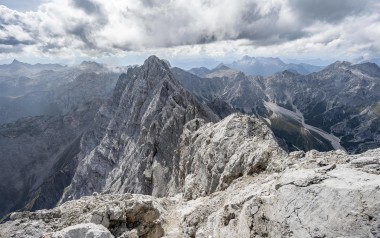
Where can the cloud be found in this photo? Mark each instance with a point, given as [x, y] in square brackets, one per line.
[327, 10]
[88, 6]
[97, 27]
[13, 41]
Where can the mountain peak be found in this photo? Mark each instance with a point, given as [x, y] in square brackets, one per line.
[290, 72]
[246, 57]
[89, 63]
[266, 66]
[148, 111]
[368, 65]
[221, 66]
[16, 62]
[201, 72]
[154, 61]
[91, 66]
[369, 68]
[341, 64]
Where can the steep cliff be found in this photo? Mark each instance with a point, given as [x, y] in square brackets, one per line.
[146, 116]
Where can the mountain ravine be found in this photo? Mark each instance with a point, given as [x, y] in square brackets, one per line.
[331, 109]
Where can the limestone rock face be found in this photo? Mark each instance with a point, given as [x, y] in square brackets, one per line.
[103, 216]
[304, 195]
[83, 230]
[317, 195]
[138, 138]
[211, 156]
[274, 194]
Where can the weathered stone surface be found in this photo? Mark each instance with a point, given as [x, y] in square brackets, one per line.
[122, 215]
[211, 156]
[139, 136]
[313, 194]
[303, 199]
[86, 230]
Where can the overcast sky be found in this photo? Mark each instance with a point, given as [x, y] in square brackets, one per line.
[187, 32]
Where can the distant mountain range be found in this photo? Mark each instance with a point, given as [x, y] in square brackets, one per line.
[52, 89]
[335, 107]
[261, 66]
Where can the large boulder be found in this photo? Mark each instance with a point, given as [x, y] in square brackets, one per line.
[85, 230]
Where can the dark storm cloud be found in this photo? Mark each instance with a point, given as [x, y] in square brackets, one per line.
[148, 3]
[88, 6]
[266, 29]
[8, 50]
[80, 32]
[14, 42]
[328, 10]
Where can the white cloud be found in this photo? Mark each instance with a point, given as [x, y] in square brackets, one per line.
[209, 28]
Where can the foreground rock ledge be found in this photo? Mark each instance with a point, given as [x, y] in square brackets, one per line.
[317, 195]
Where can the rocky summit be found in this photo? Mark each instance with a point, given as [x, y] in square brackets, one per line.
[137, 151]
[157, 160]
[261, 191]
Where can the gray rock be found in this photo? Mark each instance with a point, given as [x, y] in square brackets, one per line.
[104, 216]
[211, 156]
[228, 178]
[139, 133]
[313, 194]
[297, 201]
[334, 108]
[83, 230]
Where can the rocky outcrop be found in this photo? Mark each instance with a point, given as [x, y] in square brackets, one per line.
[307, 200]
[83, 230]
[310, 194]
[146, 115]
[211, 156]
[123, 215]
